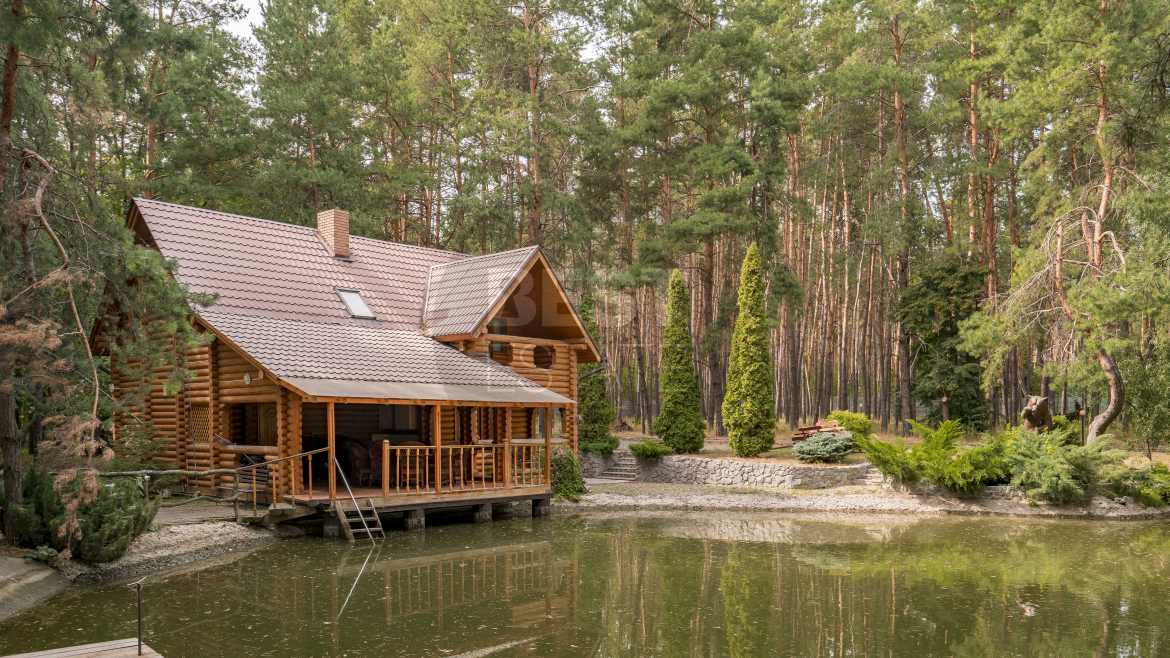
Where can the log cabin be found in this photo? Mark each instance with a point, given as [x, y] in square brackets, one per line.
[361, 374]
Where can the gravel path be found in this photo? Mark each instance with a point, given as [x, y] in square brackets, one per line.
[852, 499]
[176, 545]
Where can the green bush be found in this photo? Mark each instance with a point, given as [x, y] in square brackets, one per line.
[893, 460]
[680, 425]
[939, 459]
[826, 447]
[106, 525]
[1049, 470]
[1149, 486]
[857, 424]
[1070, 431]
[650, 450]
[567, 479]
[605, 446]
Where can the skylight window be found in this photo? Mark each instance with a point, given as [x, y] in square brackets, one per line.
[354, 303]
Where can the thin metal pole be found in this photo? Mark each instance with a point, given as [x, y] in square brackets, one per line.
[138, 586]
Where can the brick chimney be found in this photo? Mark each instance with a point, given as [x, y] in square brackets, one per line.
[334, 227]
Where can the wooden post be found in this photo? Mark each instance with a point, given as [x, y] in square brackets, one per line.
[330, 432]
[437, 441]
[507, 448]
[278, 473]
[385, 467]
[212, 410]
[548, 446]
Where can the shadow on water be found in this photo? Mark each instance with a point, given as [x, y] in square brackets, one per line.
[655, 585]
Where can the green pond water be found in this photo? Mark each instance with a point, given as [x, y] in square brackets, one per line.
[665, 585]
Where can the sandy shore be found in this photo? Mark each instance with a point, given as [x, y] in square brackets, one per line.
[850, 500]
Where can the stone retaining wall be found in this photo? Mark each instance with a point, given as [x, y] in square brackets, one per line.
[678, 469]
[681, 469]
[592, 464]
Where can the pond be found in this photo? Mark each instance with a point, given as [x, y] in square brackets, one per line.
[654, 585]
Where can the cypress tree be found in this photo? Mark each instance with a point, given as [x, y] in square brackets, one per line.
[596, 414]
[681, 422]
[748, 407]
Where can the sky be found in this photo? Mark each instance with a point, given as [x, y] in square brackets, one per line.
[243, 27]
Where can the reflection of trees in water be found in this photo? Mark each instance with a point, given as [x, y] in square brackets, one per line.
[933, 587]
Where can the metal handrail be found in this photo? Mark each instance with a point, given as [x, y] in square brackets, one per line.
[236, 479]
[355, 503]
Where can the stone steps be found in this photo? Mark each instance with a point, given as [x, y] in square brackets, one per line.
[623, 467]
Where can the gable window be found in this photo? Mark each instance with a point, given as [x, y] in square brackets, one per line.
[354, 303]
[499, 326]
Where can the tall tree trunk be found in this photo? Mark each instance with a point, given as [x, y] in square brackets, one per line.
[10, 440]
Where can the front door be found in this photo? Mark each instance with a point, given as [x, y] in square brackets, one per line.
[267, 424]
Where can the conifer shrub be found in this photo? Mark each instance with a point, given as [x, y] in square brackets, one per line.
[824, 448]
[856, 424]
[567, 479]
[1149, 486]
[650, 450]
[748, 405]
[1051, 471]
[680, 424]
[605, 447]
[939, 458]
[893, 460]
[105, 525]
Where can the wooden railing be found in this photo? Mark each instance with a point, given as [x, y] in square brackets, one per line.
[272, 481]
[414, 469]
[527, 465]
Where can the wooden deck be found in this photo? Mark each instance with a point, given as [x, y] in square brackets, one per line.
[403, 502]
[113, 649]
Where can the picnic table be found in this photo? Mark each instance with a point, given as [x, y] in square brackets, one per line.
[825, 426]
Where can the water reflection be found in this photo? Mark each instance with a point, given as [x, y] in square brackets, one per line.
[677, 586]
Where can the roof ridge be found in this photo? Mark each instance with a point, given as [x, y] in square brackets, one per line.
[253, 316]
[306, 228]
[469, 258]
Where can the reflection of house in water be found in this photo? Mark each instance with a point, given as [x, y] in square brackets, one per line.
[462, 601]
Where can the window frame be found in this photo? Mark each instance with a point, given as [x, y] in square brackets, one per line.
[361, 298]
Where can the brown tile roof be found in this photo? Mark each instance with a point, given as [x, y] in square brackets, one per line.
[270, 269]
[462, 292]
[277, 301]
[356, 352]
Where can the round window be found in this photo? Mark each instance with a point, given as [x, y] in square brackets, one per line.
[543, 356]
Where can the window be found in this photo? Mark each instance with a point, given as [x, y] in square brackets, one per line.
[498, 326]
[543, 357]
[354, 303]
[398, 417]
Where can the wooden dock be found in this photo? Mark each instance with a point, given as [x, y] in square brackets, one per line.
[127, 648]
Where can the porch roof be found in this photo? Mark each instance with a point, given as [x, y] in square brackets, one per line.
[348, 388]
[368, 361]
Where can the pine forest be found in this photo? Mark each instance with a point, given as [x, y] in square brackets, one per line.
[956, 205]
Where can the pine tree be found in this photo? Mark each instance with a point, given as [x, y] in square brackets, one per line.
[592, 395]
[681, 422]
[748, 408]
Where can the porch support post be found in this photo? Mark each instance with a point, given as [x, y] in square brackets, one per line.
[331, 434]
[437, 441]
[507, 441]
[548, 446]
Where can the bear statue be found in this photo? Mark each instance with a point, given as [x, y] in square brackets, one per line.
[1036, 414]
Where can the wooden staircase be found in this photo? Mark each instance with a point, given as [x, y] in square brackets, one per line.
[360, 520]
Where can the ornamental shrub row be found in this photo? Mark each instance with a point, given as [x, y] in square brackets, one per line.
[1048, 466]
